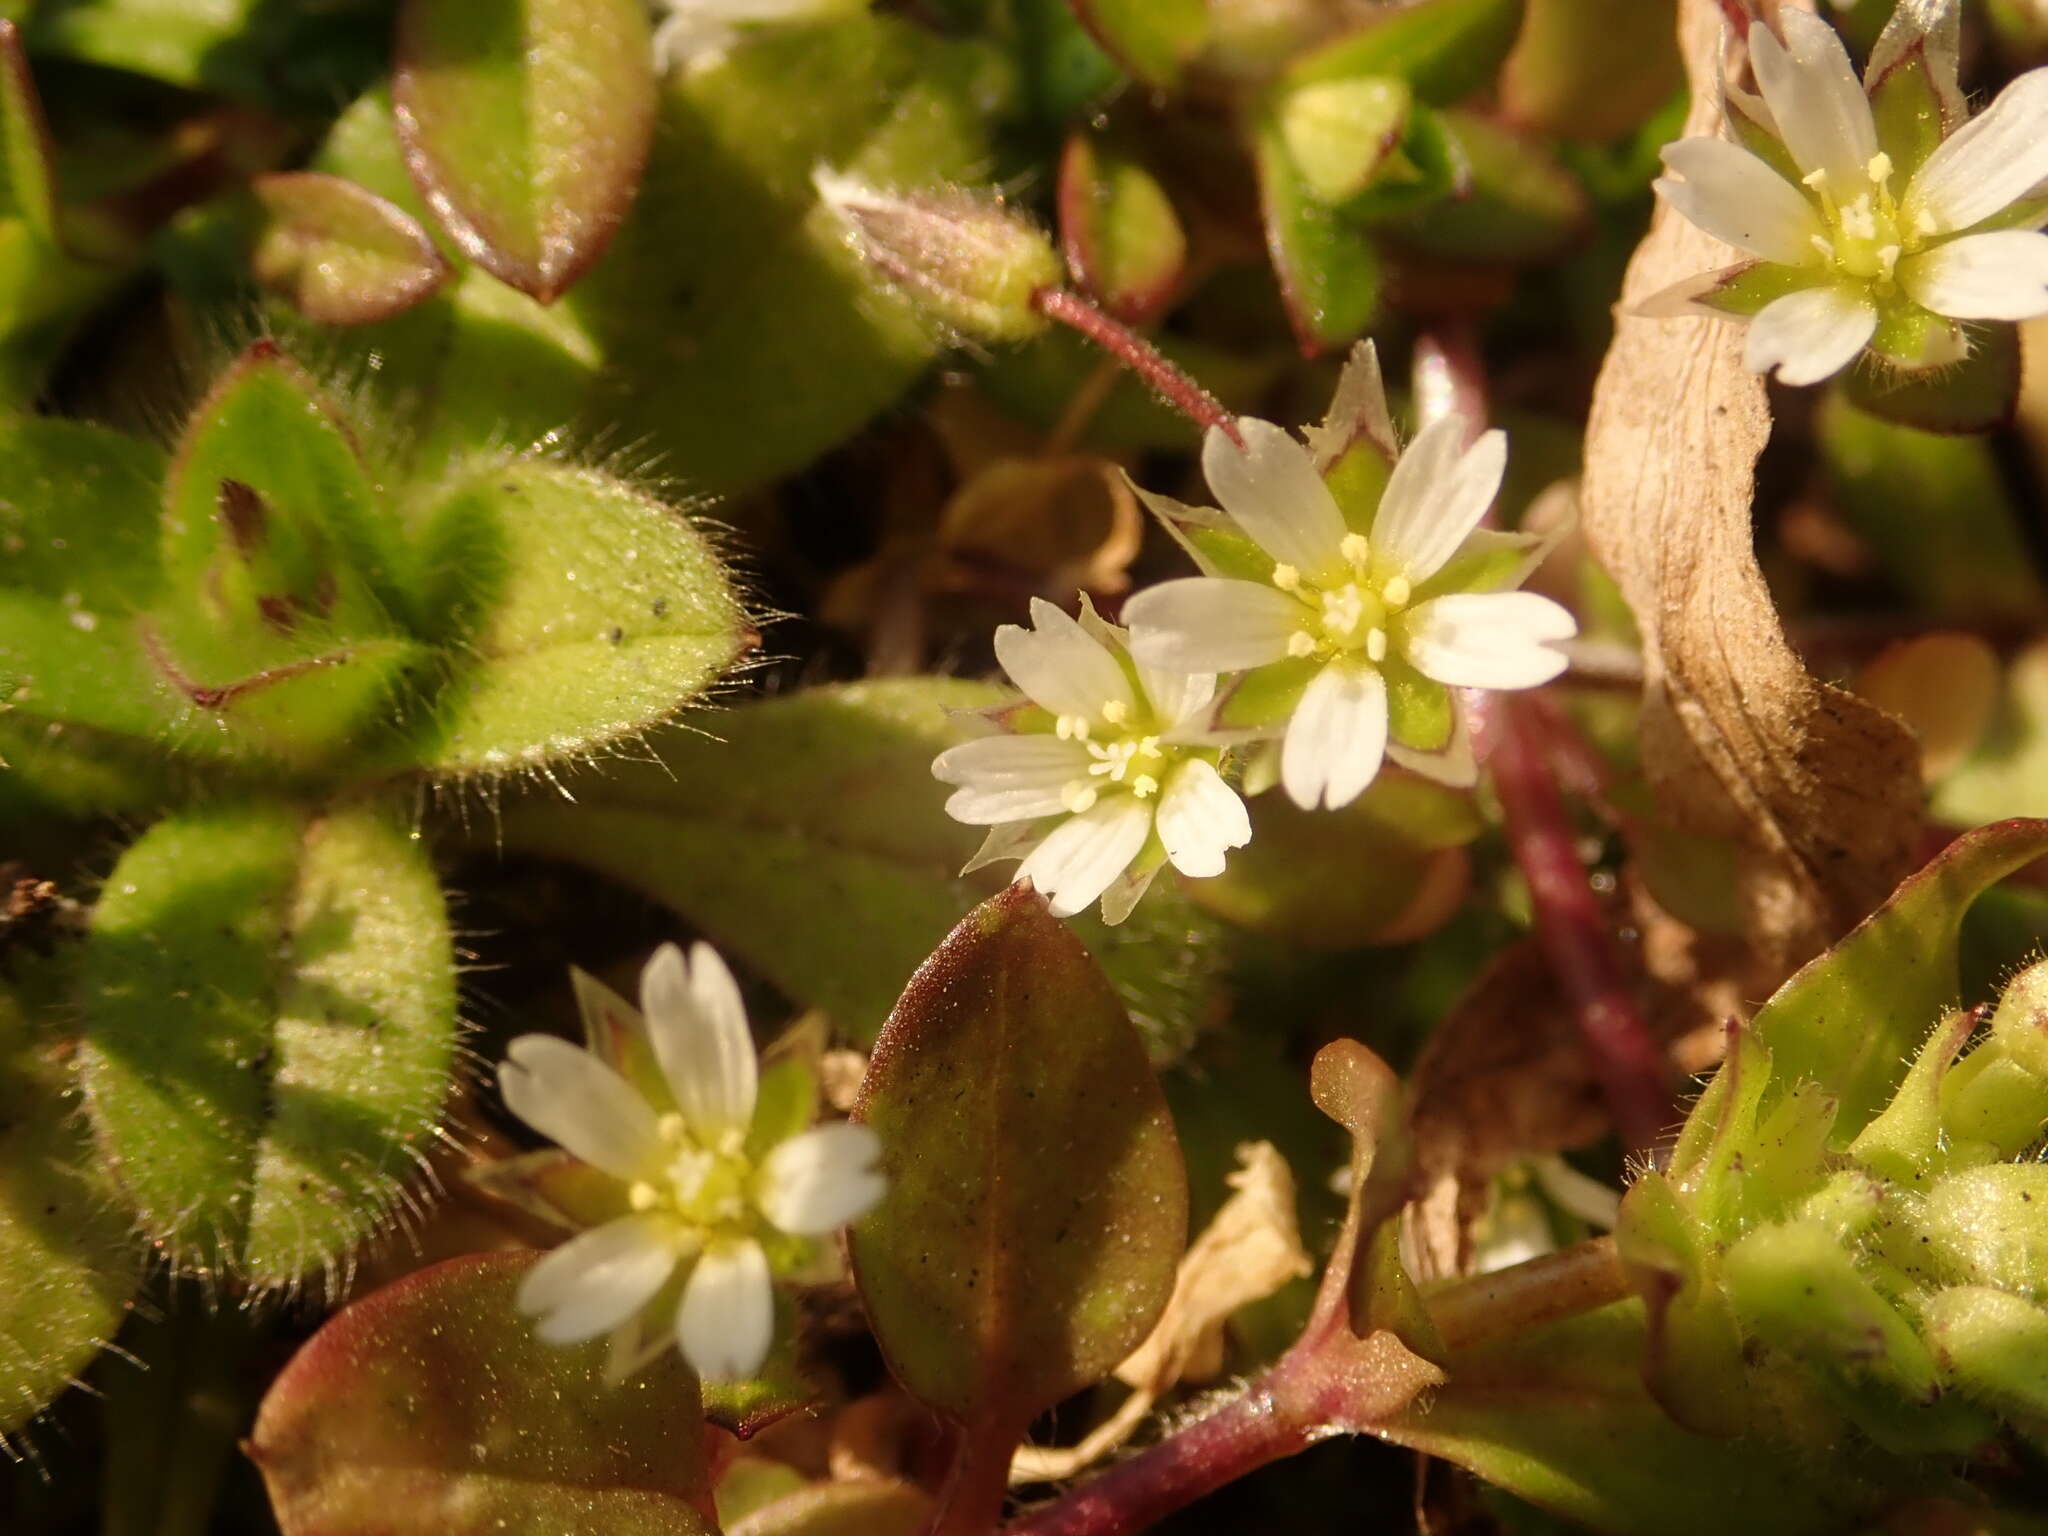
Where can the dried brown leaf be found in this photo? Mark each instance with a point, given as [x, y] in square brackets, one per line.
[1821, 788]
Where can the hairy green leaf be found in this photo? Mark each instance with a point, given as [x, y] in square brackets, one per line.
[526, 124]
[269, 1030]
[429, 1408]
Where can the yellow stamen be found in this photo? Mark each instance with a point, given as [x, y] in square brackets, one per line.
[1286, 578]
[1376, 645]
[1144, 784]
[1301, 643]
[1880, 168]
[1078, 796]
[1355, 550]
[1395, 593]
[1115, 711]
[643, 1196]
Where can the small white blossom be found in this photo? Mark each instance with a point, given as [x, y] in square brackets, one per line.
[1108, 777]
[1864, 235]
[661, 1108]
[697, 32]
[1343, 612]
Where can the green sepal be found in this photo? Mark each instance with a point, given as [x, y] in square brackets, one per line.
[1744, 289]
[1710, 1149]
[1991, 1344]
[1489, 560]
[1905, 1142]
[1264, 697]
[1692, 1358]
[1988, 1226]
[1420, 714]
[1977, 394]
[1357, 481]
[1224, 552]
[1910, 113]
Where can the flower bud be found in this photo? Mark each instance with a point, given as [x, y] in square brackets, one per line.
[961, 257]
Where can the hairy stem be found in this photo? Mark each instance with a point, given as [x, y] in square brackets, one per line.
[1575, 931]
[1140, 356]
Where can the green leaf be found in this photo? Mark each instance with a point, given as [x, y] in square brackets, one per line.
[1328, 270]
[1853, 1019]
[1037, 1203]
[1893, 484]
[270, 1026]
[1154, 39]
[1123, 239]
[1340, 133]
[1516, 204]
[300, 57]
[67, 1265]
[571, 612]
[339, 254]
[1560, 1416]
[2008, 773]
[856, 1507]
[1296, 879]
[1445, 49]
[526, 124]
[431, 1407]
[1591, 69]
[27, 189]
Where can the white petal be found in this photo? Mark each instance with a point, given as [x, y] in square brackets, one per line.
[598, 1279]
[1009, 778]
[1810, 335]
[822, 1179]
[1212, 624]
[1738, 199]
[699, 1029]
[1821, 111]
[1200, 819]
[1999, 276]
[1271, 490]
[1178, 698]
[580, 1103]
[1488, 639]
[1337, 739]
[1060, 665]
[1079, 857]
[727, 1317]
[1436, 496]
[1989, 163]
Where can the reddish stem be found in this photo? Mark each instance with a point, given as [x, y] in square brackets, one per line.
[1138, 355]
[1575, 932]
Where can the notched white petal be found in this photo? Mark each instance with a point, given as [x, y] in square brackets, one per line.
[1271, 490]
[1811, 335]
[1489, 639]
[1988, 164]
[1434, 518]
[1060, 665]
[579, 1103]
[1740, 201]
[1212, 624]
[1201, 819]
[1337, 738]
[699, 1028]
[1009, 778]
[598, 1279]
[1821, 112]
[1997, 276]
[822, 1179]
[1083, 854]
[726, 1320]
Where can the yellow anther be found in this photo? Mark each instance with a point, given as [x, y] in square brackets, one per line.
[643, 1196]
[1116, 711]
[1071, 727]
[1286, 578]
[1880, 167]
[670, 1127]
[1301, 643]
[1376, 645]
[1078, 795]
[1355, 550]
[1395, 593]
[1144, 784]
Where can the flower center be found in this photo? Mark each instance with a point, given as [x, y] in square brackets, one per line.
[1350, 616]
[1867, 234]
[702, 1186]
[1133, 761]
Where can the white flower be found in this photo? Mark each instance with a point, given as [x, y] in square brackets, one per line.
[1866, 230]
[698, 31]
[661, 1107]
[1106, 779]
[1354, 619]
